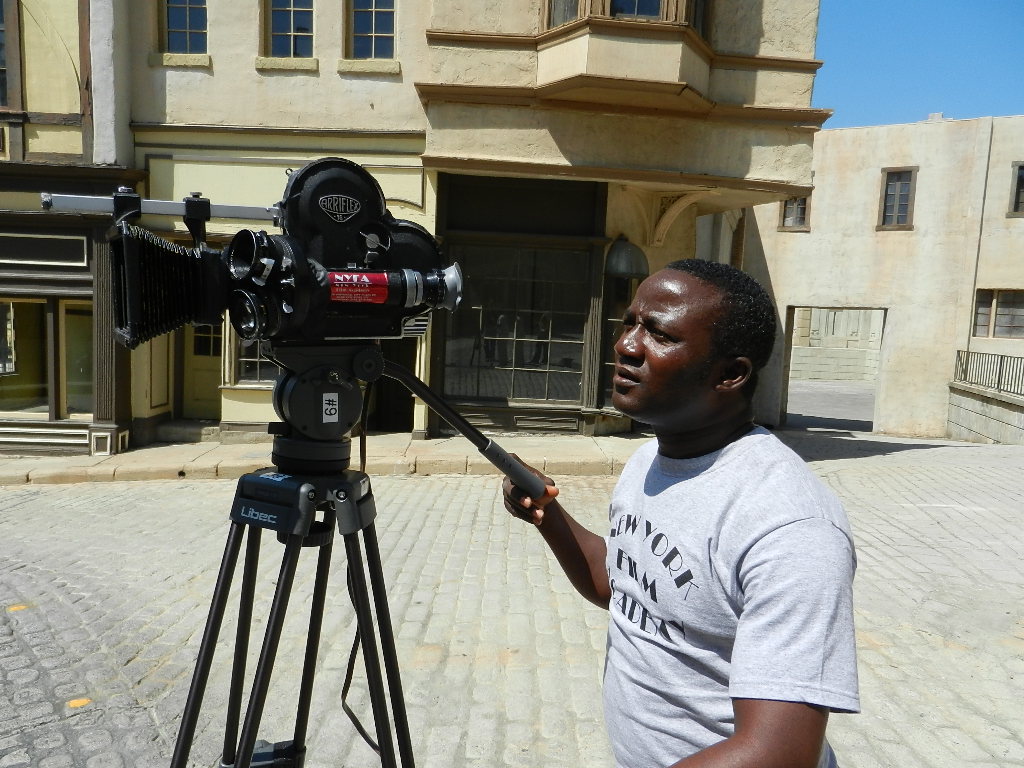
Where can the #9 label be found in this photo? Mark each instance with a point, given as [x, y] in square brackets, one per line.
[330, 411]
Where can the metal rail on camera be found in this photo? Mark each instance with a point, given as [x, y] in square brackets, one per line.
[108, 204]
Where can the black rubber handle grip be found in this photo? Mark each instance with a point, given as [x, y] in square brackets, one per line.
[516, 471]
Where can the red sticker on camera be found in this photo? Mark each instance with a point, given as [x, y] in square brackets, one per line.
[359, 287]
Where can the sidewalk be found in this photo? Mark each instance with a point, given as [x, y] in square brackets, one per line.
[387, 454]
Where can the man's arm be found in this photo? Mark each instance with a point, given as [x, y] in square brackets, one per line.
[580, 552]
[769, 734]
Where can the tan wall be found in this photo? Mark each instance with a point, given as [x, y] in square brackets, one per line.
[49, 42]
[923, 278]
[1001, 254]
[563, 138]
[230, 90]
[786, 28]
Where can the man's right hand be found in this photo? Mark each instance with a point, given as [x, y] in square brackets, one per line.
[521, 505]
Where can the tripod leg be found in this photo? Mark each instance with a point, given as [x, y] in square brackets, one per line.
[189, 718]
[364, 618]
[245, 603]
[387, 642]
[271, 640]
[316, 616]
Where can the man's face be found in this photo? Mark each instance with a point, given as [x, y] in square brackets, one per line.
[663, 372]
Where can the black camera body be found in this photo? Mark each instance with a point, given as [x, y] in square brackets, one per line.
[344, 269]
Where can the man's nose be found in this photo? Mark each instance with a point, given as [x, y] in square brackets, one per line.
[626, 345]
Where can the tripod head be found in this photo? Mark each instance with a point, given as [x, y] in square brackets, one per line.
[319, 401]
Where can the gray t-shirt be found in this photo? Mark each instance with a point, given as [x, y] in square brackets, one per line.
[731, 577]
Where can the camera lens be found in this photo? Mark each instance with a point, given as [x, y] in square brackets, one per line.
[242, 254]
[248, 314]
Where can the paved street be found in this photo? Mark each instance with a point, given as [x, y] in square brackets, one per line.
[104, 589]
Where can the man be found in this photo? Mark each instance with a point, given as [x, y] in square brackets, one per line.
[728, 565]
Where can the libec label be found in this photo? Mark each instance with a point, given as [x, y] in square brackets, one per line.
[359, 287]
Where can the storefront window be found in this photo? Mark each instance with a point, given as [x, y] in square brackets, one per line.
[24, 391]
[519, 334]
[618, 293]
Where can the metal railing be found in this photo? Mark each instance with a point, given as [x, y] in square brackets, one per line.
[999, 372]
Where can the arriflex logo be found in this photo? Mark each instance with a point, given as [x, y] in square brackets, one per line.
[341, 208]
[261, 517]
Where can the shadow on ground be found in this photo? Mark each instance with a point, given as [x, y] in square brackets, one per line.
[844, 443]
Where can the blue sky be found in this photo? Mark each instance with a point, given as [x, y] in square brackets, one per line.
[897, 61]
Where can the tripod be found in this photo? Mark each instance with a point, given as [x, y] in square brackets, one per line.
[319, 400]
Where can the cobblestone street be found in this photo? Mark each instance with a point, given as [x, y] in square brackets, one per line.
[104, 589]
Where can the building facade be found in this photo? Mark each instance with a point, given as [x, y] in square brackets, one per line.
[528, 136]
[62, 378]
[916, 233]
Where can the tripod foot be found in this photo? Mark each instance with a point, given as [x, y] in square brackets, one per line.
[279, 755]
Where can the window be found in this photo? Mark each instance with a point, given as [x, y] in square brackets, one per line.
[7, 359]
[793, 214]
[897, 207]
[562, 12]
[373, 29]
[30, 329]
[252, 367]
[999, 314]
[636, 8]
[520, 333]
[186, 26]
[1017, 190]
[3, 57]
[699, 17]
[291, 29]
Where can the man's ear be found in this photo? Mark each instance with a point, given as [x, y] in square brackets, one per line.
[734, 374]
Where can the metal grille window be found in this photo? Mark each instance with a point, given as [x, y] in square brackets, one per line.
[373, 29]
[794, 213]
[291, 29]
[519, 334]
[186, 26]
[637, 8]
[897, 199]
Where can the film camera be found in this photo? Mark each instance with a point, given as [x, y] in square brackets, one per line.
[345, 268]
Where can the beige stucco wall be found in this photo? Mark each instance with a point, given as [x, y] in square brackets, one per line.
[231, 90]
[646, 143]
[786, 28]
[924, 278]
[1001, 251]
[50, 73]
[509, 17]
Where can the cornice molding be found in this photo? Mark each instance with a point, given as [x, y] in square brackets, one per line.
[665, 30]
[265, 130]
[661, 179]
[673, 99]
[777, 63]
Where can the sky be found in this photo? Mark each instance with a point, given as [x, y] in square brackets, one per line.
[898, 61]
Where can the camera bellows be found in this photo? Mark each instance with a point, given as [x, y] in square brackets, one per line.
[160, 286]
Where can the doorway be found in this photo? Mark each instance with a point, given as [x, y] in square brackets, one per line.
[202, 372]
[833, 367]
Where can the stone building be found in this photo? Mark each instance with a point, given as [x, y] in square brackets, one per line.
[920, 227]
[529, 136]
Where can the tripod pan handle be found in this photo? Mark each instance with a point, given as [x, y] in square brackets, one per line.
[516, 470]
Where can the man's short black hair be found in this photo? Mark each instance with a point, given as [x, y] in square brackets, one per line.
[746, 327]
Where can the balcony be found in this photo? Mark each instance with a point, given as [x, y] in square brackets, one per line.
[629, 63]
